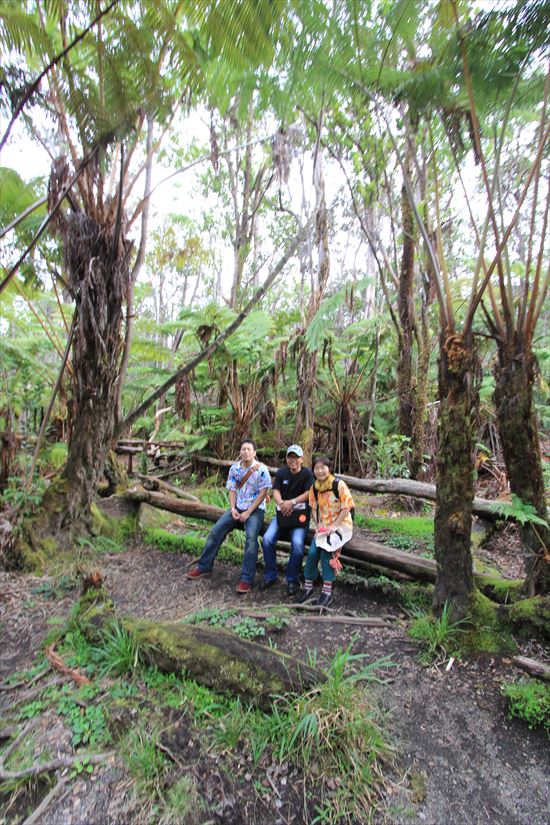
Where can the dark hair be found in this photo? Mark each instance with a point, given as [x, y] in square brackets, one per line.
[322, 459]
[249, 441]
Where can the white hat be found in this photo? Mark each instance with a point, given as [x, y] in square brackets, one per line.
[296, 449]
[333, 541]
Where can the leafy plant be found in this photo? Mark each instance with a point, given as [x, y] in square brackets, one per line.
[81, 766]
[518, 510]
[248, 628]
[103, 544]
[437, 634]
[389, 455]
[88, 723]
[530, 701]
[32, 709]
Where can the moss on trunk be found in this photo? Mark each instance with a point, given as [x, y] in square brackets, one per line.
[458, 395]
[212, 656]
[518, 429]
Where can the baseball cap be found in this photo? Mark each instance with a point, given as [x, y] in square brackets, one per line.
[294, 448]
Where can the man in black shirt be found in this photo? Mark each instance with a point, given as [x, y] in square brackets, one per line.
[290, 491]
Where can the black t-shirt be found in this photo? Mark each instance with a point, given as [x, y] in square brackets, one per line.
[291, 485]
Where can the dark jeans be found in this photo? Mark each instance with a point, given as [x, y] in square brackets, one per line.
[269, 543]
[224, 525]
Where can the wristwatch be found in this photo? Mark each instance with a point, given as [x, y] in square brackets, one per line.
[293, 502]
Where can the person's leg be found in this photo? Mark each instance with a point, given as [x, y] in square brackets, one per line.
[310, 573]
[325, 599]
[312, 565]
[297, 544]
[269, 544]
[222, 527]
[252, 528]
[327, 571]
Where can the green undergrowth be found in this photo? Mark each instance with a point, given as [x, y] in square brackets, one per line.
[529, 700]
[408, 533]
[247, 627]
[332, 734]
[438, 636]
[419, 527]
[482, 631]
[192, 542]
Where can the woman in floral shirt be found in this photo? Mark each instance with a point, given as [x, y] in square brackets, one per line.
[331, 515]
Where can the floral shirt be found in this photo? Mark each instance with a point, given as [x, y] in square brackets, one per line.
[256, 481]
[330, 505]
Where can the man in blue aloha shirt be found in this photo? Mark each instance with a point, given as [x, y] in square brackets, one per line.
[248, 482]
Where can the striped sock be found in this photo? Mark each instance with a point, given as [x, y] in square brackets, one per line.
[327, 588]
[308, 584]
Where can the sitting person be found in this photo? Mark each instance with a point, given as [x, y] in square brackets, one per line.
[291, 493]
[248, 482]
[331, 515]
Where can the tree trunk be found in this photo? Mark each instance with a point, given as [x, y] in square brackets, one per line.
[97, 261]
[418, 437]
[307, 361]
[517, 424]
[405, 310]
[458, 395]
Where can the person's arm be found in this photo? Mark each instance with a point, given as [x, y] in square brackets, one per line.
[254, 506]
[346, 502]
[233, 503]
[301, 499]
[344, 511]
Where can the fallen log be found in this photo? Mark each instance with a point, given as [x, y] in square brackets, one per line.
[532, 667]
[357, 548]
[156, 484]
[482, 507]
[212, 656]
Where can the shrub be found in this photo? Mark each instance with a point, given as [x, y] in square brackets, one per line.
[530, 701]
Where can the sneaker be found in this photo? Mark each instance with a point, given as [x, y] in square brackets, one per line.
[196, 573]
[324, 600]
[243, 587]
[291, 588]
[266, 585]
[305, 596]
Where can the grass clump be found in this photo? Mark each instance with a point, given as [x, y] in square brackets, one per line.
[333, 732]
[438, 635]
[530, 701]
[119, 652]
[143, 758]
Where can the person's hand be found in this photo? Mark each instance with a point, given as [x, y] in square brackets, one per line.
[243, 516]
[235, 514]
[286, 508]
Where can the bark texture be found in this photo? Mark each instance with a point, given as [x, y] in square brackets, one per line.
[406, 312]
[515, 374]
[458, 394]
[97, 261]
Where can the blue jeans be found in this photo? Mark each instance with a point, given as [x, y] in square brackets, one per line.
[224, 525]
[269, 542]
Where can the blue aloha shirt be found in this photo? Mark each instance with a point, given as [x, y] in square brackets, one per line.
[258, 480]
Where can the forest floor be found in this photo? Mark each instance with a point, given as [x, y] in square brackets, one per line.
[458, 758]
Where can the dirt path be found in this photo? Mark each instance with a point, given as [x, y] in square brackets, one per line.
[461, 761]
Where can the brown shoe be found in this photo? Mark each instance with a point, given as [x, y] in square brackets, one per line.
[243, 587]
[195, 573]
